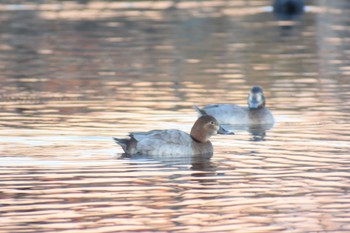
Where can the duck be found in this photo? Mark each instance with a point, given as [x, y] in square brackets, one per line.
[288, 9]
[172, 142]
[231, 114]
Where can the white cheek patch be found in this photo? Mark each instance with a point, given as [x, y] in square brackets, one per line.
[251, 98]
[258, 98]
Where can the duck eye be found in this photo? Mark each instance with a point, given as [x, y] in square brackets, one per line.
[212, 122]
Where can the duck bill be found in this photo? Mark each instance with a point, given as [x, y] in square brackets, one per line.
[224, 131]
[254, 103]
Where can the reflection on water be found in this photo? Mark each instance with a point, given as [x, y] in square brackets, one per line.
[76, 73]
[257, 131]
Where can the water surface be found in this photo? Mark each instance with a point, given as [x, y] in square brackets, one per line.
[75, 74]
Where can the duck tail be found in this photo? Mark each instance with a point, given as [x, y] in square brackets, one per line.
[200, 111]
[123, 142]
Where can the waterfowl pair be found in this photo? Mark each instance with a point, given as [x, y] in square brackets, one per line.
[178, 143]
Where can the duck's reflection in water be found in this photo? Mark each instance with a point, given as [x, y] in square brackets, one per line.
[202, 168]
[257, 131]
[205, 170]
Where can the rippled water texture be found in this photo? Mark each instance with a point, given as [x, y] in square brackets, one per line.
[74, 74]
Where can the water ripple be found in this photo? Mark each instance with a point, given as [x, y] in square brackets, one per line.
[77, 73]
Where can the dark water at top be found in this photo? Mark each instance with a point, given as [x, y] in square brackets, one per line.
[74, 74]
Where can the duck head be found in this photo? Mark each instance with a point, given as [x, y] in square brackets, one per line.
[205, 127]
[256, 98]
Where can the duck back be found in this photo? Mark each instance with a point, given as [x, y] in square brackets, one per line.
[228, 113]
[233, 114]
[163, 142]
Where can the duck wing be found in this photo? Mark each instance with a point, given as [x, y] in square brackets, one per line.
[163, 142]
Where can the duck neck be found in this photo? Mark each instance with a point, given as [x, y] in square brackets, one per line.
[194, 139]
[197, 136]
[257, 108]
